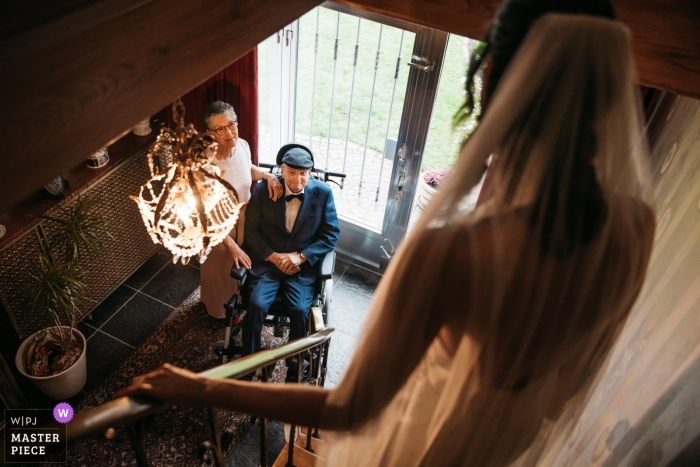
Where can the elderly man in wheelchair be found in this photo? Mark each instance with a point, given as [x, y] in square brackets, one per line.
[290, 243]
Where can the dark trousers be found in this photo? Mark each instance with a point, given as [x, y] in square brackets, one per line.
[297, 302]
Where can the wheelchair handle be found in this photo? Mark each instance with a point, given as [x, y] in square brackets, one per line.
[335, 174]
[324, 174]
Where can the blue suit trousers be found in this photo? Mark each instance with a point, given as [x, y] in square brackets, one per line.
[297, 301]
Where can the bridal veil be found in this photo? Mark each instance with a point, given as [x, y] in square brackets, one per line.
[542, 276]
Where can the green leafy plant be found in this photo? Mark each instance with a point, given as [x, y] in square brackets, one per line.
[79, 230]
[53, 290]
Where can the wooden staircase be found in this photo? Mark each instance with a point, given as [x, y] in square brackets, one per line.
[320, 449]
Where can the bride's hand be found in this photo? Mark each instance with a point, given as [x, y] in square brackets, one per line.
[168, 384]
[274, 186]
[238, 255]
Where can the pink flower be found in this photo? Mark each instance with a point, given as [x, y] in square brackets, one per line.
[433, 178]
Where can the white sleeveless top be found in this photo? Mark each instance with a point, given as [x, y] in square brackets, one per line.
[236, 170]
[217, 285]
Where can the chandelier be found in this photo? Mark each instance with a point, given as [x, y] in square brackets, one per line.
[188, 207]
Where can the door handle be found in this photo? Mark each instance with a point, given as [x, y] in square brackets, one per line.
[389, 254]
[402, 175]
[399, 188]
[429, 67]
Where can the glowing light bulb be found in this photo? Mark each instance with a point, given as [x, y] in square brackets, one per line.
[184, 204]
[183, 212]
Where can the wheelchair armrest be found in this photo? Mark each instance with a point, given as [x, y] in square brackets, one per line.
[238, 273]
[328, 265]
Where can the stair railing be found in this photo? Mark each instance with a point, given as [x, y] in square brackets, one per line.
[137, 412]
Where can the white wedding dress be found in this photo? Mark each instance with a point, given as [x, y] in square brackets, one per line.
[531, 315]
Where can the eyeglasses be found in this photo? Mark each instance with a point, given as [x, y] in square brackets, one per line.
[221, 131]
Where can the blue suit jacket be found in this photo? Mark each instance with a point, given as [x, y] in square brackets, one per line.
[315, 230]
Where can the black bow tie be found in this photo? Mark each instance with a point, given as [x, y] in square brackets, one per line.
[299, 196]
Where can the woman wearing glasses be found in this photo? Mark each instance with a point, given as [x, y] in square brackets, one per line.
[234, 160]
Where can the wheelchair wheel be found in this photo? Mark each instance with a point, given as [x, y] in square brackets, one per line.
[326, 305]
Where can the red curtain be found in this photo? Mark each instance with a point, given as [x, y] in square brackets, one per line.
[237, 84]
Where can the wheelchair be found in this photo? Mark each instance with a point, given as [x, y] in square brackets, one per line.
[277, 314]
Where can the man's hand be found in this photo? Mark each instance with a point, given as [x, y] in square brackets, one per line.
[274, 186]
[288, 263]
[237, 254]
[291, 261]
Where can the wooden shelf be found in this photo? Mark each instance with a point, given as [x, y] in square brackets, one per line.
[23, 215]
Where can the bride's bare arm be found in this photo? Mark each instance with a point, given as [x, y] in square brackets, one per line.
[289, 403]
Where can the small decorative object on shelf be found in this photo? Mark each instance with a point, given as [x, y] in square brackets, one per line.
[56, 187]
[98, 159]
[3, 230]
[143, 128]
[188, 207]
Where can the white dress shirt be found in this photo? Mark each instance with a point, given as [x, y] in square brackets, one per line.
[292, 207]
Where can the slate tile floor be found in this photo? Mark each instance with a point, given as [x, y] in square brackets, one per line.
[353, 288]
[124, 319]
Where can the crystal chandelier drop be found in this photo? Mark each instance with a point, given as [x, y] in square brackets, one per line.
[188, 208]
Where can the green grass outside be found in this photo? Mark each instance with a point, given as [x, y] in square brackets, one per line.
[443, 142]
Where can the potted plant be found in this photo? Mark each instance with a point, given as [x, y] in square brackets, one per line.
[54, 358]
[429, 182]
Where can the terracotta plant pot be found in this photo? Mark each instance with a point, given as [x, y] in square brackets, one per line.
[62, 385]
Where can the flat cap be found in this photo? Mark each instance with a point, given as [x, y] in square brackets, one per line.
[298, 158]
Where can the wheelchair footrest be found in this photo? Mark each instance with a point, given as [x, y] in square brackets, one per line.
[278, 322]
[279, 327]
[232, 351]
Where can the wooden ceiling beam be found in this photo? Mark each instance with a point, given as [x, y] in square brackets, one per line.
[665, 34]
[71, 84]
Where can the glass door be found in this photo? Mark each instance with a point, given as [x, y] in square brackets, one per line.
[277, 72]
[364, 91]
[445, 139]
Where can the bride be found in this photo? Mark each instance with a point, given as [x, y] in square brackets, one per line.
[489, 330]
